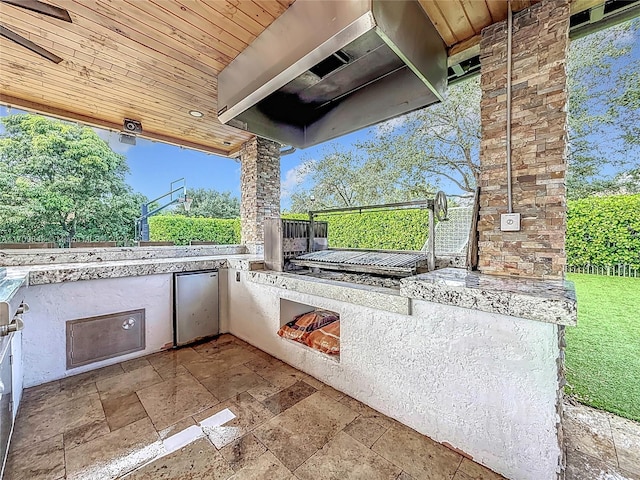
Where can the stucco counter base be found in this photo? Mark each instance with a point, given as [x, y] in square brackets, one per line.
[483, 382]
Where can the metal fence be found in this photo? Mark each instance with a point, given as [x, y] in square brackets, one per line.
[621, 270]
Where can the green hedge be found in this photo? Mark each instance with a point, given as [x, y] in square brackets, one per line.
[181, 230]
[600, 230]
[604, 231]
[393, 230]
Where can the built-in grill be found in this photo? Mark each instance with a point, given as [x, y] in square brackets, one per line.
[291, 244]
[399, 264]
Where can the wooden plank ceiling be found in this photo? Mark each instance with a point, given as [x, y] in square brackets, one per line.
[155, 60]
[151, 61]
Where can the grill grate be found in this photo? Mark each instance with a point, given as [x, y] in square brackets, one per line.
[383, 263]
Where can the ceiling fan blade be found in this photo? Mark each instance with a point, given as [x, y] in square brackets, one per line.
[20, 40]
[41, 7]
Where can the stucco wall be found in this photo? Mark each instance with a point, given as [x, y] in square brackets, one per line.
[484, 383]
[44, 335]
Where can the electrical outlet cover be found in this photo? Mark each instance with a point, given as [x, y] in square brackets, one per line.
[510, 222]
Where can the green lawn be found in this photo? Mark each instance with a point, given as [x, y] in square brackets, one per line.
[603, 351]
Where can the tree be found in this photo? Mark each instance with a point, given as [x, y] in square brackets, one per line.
[60, 179]
[344, 178]
[210, 203]
[435, 143]
[604, 111]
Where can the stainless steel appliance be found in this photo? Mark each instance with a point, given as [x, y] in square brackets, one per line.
[12, 307]
[304, 243]
[195, 313]
[6, 398]
[326, 68]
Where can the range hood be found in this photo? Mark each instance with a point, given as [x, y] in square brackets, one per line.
[325, 68]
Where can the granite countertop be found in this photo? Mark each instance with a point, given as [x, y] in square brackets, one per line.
[73, 272]
[381, 298]
[552, 301]
[10, 283]
[26, 257]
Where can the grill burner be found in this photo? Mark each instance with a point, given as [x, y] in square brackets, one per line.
[401, 264]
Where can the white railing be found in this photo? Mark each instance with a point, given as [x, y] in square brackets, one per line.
[621, 270]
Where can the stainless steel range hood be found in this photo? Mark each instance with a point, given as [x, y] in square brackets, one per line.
[326, 68]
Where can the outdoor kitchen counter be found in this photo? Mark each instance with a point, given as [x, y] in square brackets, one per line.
[551, 301]
[42, 256]
[73, 272]
[381, 298]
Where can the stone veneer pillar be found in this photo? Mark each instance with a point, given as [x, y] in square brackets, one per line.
[260, 189]
[539, 138]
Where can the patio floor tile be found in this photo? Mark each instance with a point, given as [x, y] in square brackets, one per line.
[296, 434]
[160, 417]
[170, 401]
[56, 420]
[288, 397]
[114, 454]
[365, 430]
[588, 430]
[42, 461]
[84, 433]
[243, 451]
[120, 385]
[122, 411]
[197, 461]
[344, 457]
[245, 414]
[416, 454]
[228, 383]
[265, 466]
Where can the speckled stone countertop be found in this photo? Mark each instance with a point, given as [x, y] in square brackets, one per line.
[551, 301]
[380, 298]
[22, 258]
[73, 272]
[10, 283]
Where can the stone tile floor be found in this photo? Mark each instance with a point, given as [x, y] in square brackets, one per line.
[225, 410]
[599, 445]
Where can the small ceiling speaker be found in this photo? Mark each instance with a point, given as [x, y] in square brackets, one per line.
[132, 126]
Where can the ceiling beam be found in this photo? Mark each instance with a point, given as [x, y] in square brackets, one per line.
[31, 106]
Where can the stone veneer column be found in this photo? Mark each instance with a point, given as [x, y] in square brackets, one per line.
[539, 138]
[260, 189]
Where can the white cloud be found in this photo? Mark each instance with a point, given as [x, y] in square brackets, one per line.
[112, 139]
[293, 178]
[389, 126]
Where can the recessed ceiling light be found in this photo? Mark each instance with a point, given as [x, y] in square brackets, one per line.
[196, 113]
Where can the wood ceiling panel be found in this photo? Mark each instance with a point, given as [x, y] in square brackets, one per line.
[439, 21]
[274, 8]
[478, 14]
[184, 32]
[497, 8]
[456, 15]
[233, 13]
[96, 51]
[459, 22]
[104, 15]
[152, 61]
[197, 15]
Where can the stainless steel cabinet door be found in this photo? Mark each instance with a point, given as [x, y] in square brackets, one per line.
[196, 306]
